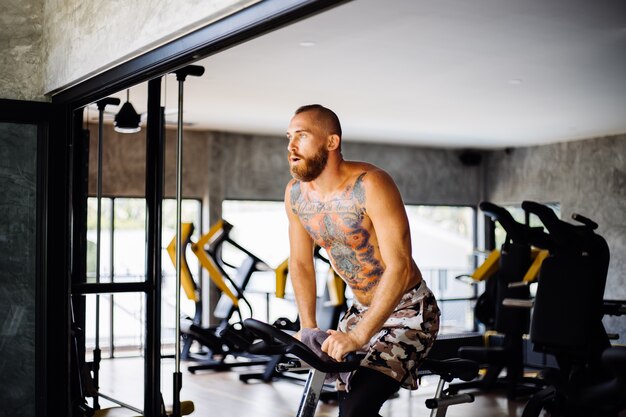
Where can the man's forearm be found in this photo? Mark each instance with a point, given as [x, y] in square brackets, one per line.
[305, 290]
[388, 294]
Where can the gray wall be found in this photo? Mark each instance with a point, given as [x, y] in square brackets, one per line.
[255, 167]
[21, 62]
[18, 156]
[586, 177]
[47, 45]
[118, 31]
[124, 163]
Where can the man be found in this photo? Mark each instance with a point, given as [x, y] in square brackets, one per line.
[354, 211]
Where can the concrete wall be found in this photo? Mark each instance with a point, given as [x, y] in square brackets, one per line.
[21, 54]
[586, 177]
[74, 30]
[46, 45]
[124, 163]
[256, 167]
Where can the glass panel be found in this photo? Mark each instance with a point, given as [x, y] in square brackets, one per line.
[443, 241]
[130, 240]
[262, 228]
[18, 202]
[105, 239]
[128, 329]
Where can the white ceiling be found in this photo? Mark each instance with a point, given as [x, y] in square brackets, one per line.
[445, 73]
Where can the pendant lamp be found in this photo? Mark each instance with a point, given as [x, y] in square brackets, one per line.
[127, 120]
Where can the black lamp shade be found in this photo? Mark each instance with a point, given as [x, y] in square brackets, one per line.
[127, 120]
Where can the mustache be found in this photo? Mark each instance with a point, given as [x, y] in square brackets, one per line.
[294, 155]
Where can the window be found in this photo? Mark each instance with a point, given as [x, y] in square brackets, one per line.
[442, 239]
[123, 259]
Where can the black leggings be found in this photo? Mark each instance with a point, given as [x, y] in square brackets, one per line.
[369, 389]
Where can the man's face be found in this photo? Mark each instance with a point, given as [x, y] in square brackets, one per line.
[307, 147]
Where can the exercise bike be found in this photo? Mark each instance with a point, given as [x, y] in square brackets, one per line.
[277, 342]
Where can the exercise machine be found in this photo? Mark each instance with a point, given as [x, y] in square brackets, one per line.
[567, 322]
[329, 309]
[221, 343]
[509, 271]
[277, 342]
[85, 375]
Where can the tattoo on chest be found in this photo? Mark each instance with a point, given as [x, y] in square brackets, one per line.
[338, 225]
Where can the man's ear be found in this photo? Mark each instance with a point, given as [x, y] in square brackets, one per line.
[333, 142]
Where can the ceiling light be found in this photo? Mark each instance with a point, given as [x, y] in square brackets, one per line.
[307, 44]
[515, 81]
[127, 120]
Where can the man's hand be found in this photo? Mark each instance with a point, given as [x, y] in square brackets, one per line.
[339, 344]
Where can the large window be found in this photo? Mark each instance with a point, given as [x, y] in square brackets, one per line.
[442, 243]
[123, 259]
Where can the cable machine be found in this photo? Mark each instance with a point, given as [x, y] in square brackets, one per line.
[85, 376]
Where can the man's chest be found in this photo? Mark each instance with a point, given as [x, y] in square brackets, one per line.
[340, 220]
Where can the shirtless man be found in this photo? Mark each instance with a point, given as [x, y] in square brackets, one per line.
[354, 211]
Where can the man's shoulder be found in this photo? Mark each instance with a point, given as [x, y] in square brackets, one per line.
[366, 172]
[293, 190]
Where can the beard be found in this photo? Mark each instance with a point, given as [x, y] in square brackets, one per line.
[310, 168]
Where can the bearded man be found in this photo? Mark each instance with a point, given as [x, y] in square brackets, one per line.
[355, 212]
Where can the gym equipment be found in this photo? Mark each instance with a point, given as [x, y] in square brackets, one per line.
[276, 342]
[84, 376]
[222, 341]
[567, 322]
[514, 265]
[329, 310]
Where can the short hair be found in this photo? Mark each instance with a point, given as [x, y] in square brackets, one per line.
[329, 118]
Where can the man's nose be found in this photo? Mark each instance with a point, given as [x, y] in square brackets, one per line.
[292, 145]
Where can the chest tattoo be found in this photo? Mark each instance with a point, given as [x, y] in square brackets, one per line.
[340, 225]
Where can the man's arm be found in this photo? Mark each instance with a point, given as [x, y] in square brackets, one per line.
[386, 210]
[301, 266]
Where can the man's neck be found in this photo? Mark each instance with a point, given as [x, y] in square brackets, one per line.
[331, 178]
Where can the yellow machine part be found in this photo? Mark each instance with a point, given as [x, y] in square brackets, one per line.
[336, 288]
[186, 280]
[281, 271]
[538, 257]
[207, 263]
[488, 267]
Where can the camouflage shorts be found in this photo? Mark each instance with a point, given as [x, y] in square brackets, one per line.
[401, 345]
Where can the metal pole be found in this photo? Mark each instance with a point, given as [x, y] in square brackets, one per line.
[96, 352]
[112, 270]
[179, 196]
[181, 74]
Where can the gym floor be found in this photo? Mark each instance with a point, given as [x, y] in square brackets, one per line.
[221, 394]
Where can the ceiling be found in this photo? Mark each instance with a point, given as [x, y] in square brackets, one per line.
[484, 74]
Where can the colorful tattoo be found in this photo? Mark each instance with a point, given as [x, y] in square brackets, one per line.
[338, 226]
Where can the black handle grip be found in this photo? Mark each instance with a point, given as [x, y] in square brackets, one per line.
[514, 229]
[277, 341]
[584, 220]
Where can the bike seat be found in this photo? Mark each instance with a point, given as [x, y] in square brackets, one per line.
[452, 368]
